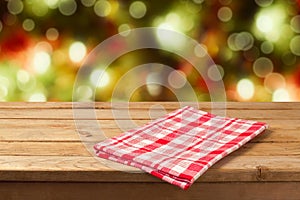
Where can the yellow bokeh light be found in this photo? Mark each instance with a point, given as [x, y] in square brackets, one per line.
[137, 9]
[77, 52]
[52, 3]
[84, 93]
[102, 8]
[99, 78]
[37, 97]
[166, 37]
[245, 89]
[281, 95]
[41, 62]
[269, 22]
[124, 29]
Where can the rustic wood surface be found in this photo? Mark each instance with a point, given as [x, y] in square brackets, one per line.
[39, 142]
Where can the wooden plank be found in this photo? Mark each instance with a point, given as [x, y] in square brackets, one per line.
[70, 123]
[31, 113]
[65, 124]
[268, 149]
[153, 105]
[88, 169]
[159, 191]
[67, 132]
[77, 149]
[286, 124]
[43, 148]
[274, 135]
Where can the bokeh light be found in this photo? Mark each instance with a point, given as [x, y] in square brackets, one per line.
[102, 8]
[4, 83]
[88, 3]
[67, 7]
[99, 78]
[264, 3]
[52, 3]
[166, 38]
[281, 95]
[295, 45]
[15, 6]
[262, 67]
[43, 46]
[137, 9]
[215, 72]
[245, 89]
[274, 81]
[153, 83]
[269, 22]
[200, 50]
[41, 8]
[25, 81]
[37, 97]
[295, 23]
[240, 41]
[41, 62]
[267, 47]
[77, 52]
[28, 25]
[177, 79]
[52, 34]
[255, 46]
[224, 14]
[124, 29]
[84, 92]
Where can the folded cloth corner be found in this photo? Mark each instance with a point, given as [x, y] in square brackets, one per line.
[180, 146]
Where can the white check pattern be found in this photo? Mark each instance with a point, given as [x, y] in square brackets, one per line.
[180, 146]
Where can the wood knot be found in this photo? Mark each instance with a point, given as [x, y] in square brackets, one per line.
[85, 133]
[260, 173]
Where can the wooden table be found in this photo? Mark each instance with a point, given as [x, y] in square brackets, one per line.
[42, 156]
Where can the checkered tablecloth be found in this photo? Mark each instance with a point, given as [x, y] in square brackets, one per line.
[180, 146]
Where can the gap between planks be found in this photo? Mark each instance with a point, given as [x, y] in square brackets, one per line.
[108, 114]
[153, 105]
[284, 124]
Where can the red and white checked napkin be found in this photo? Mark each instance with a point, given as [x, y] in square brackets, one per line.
[181, 146]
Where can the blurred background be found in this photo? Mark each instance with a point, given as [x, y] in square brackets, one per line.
[255, 45]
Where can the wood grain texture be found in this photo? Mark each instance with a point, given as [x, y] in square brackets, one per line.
[49, 148]
[79, 169]
[149, 191]
[65, 131]
[40, 150]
